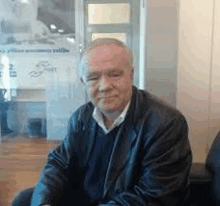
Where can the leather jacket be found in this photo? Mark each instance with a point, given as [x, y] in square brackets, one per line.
[149, 165]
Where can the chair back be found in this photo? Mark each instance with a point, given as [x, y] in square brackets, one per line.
[213, 165]
[213, 157]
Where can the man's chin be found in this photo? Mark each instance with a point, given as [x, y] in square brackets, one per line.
[109, 108]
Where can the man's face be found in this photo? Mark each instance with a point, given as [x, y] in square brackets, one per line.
[109, 78]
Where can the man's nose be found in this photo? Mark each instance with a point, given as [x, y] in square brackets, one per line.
[104, 84]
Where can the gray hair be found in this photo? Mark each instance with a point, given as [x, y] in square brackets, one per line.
[84, 63]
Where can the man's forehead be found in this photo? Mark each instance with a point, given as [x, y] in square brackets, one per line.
[105, 52]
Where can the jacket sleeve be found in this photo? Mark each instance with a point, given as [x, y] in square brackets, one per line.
[54, 177]
[165, 168]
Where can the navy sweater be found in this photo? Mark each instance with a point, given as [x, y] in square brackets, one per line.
[98, 164]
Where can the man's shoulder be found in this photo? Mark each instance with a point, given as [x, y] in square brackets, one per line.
[153, 114]
[83, 112]
[156, 106]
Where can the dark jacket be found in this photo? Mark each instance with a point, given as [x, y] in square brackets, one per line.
[150, 162]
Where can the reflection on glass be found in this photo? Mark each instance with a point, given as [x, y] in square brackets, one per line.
[30, 22]
[119, 36]
[108, 13]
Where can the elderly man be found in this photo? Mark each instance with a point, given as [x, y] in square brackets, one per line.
[124, 147]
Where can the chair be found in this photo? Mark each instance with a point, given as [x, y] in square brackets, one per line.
[205, 178]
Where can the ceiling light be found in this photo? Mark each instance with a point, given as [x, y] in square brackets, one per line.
[61, 30]
[52, 26]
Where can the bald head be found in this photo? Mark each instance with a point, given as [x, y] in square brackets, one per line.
[85, 57]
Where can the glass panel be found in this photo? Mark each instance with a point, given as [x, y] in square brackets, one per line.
[38, 92]
[119, 36]
[108, 13]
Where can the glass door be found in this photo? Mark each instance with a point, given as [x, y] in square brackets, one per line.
[109, 18]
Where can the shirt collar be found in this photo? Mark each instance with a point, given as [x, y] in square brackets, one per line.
[97, 115]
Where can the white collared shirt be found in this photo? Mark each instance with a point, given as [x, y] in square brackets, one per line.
[97, 115]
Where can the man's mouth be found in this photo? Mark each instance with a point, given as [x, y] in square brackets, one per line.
[108, 97]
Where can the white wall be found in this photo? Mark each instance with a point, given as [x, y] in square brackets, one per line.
[214, 112]
[198, 94]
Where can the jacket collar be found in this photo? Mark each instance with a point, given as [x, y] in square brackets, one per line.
[97, 115]
[132, 113]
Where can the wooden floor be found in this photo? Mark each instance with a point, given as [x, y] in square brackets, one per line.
[21, 162]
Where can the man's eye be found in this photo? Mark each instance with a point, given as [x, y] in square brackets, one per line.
[92, 78]
[115, 74]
